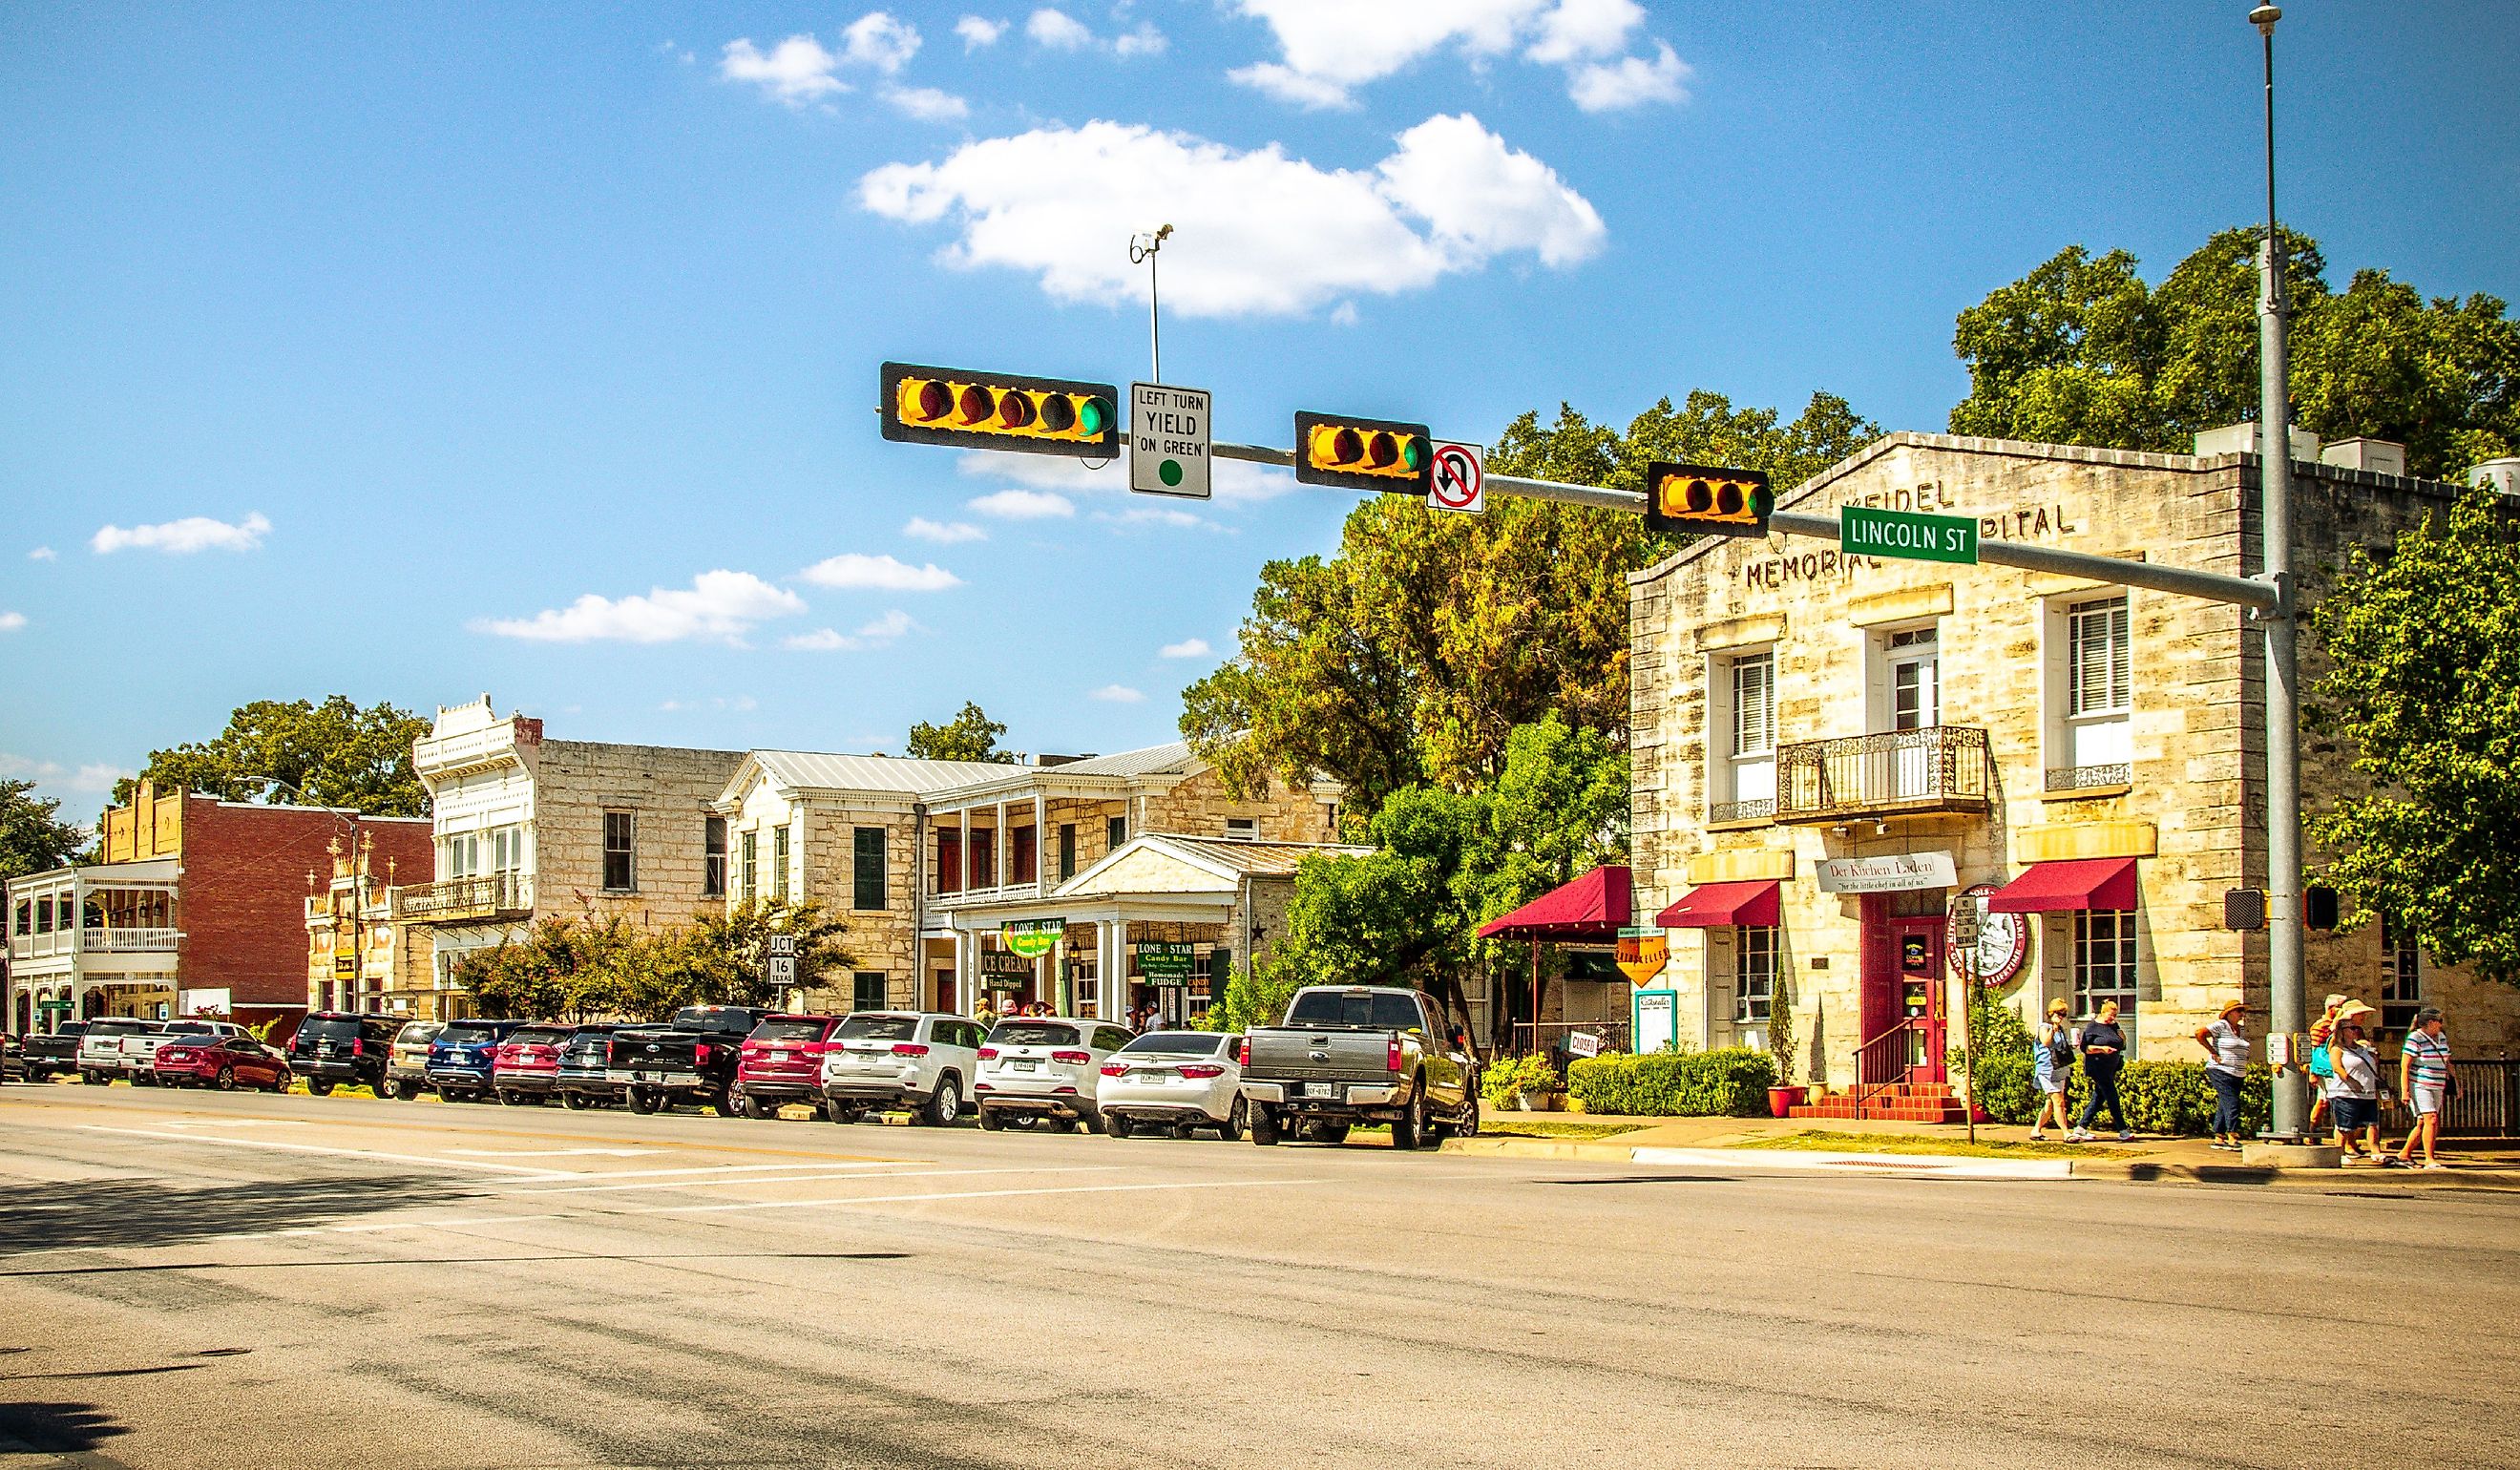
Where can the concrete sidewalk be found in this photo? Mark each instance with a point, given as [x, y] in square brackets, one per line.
[1704, 1142]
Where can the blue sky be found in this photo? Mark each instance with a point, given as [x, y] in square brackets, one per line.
[406, 353]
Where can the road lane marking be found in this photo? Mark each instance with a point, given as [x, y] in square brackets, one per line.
[555, 1153]
[791, 1179]
[245, 1123]
[896, 1199]
[345, 1153]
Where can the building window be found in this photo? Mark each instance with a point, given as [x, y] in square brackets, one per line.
[621, 869]
[1023, 860]
[713, 847]
[779, 863]
[2096, 743]
[869, 991]
[2401, 978]
[1085, 985]
[43, 916]
[1741, 744]
[1117, 833]
[1754, 974]
[1243, 828]
[751, 865]
[870, 876]
[2105, 963]
[1066, 851]
[460, 856]
[26, 915]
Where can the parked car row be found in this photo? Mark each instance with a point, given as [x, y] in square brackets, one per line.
[1343, 1056]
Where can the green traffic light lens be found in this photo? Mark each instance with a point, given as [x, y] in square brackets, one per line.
[1413, 455]
[1093, 417]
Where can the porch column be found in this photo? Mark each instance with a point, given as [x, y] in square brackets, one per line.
[1039, 846]
[1115, 975]
[966, 861]
[998, 845]
[965, 1002]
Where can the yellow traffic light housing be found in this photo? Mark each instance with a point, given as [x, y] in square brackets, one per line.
[1705, 500]
[1000, 411]
[1364, 454]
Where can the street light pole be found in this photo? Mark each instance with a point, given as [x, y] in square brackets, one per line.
[2285, 996]
[1141, 252]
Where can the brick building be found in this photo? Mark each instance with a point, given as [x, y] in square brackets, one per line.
[932, 861]
[197, 907]
[1830, 751]
[528, 828]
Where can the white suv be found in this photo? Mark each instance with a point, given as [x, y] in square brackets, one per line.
[1046, 1069]
[1175, 1079]
[891, 1057]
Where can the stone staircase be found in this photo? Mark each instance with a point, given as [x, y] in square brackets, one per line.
[1895, 1103]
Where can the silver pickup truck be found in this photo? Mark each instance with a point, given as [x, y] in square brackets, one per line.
[1350, 1054]
[106, 1053]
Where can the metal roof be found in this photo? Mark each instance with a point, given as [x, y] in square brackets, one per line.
[809, 770]
[1155, 760]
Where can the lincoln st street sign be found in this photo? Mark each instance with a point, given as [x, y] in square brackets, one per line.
[1866, 533]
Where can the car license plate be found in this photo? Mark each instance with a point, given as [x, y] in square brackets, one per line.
[654, 1077]
[1321, 1089]
[1025, 1066]
[1150, 1077]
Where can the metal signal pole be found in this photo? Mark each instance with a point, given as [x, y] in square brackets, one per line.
[1141, 252]
[2278, 626]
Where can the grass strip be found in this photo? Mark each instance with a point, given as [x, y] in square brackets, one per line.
[1821, 1141]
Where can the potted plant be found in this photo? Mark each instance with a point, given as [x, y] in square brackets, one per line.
[1786, 1095]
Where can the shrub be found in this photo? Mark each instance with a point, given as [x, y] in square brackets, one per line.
[1506, 1076]
[2160, 1097]
[2007, 1088]
[1732, 1082]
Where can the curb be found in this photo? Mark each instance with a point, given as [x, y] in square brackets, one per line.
[1929, 1165]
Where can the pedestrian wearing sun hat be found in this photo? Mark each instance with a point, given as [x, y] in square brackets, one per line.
[2354, 1085]
[2227, 1060]
[2052, 1068]
[2320, 1076]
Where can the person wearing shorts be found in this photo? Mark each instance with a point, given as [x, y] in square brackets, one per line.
[2353, 1086]
[2052, 1068]
[2320, 1076]
[2427, 1082]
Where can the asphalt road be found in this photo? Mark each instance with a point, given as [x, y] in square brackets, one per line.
[189, 1279]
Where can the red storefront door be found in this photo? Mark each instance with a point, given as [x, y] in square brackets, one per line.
[1903, 988]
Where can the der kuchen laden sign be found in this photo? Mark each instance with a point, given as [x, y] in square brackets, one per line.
[1164, 961]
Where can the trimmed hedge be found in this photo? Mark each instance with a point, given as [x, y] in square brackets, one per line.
[1732, 1082]
[2160, 1097]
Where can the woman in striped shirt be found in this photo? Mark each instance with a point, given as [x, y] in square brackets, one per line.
[2425, 1080]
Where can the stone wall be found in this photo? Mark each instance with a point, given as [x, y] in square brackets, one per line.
[1199, 806]
[667, 789]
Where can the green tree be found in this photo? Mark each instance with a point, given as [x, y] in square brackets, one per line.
[330, 754]
[724, 955]
[2424, 687]
[971, 736]
[1411, 654]
[562, 970]
[33, 836]
[2080, 351]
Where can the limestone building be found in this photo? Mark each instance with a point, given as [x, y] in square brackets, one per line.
[1830, 751]
[944, 870]
[528, 828]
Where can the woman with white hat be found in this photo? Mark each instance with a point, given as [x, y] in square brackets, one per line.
[2227, 1060]
[2354, 1085]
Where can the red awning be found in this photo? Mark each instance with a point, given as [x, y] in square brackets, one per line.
[1718, 906]
[1595, 907]
[2064, 887]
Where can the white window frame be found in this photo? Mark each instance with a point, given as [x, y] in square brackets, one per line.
[1741, 750]
[2085, 727]
[2401, 979]
[1755, 951]
[2107, 965]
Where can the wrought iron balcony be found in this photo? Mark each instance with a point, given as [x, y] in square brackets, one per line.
[2089, 777]
[482, 896]
[1904, 773]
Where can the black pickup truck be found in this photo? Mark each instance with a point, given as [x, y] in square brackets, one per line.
[689, 1058]
[1350, 1054]
[54, 1053]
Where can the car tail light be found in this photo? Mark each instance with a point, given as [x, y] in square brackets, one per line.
[701, 1054]
[1242, 1054]
[1115, 1069]
[1072, 1058]
[1394, 1063]
[909, 1049]
[358, 1048]
[1203, 1069]
[749, 1050]
[988, 1053]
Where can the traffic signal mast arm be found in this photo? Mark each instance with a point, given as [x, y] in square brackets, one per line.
[2213, 587]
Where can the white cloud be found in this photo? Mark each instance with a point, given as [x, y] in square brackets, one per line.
[926, 104]
[977, 32]
[43, 554]
[1025, 505]
[876, 39]
[1117, 693]
[1630, 82]
[192, 533]
[1329, 47]
[1057, 30]
[856, 570]
[820, 640]
[718, 605]
[1189, 648]
[97, 775]
[944, 533]
[1258, 231]
[794, 71]
[90, 777]
[1145, 40]
[11, 622]
[1343, 314]
[892, 624]
[1232, 481]
[1155, 516]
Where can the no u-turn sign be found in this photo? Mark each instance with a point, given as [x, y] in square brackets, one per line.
[1460, 479]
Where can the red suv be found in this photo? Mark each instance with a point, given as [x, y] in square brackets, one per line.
[781, 1062]
[524, 1067]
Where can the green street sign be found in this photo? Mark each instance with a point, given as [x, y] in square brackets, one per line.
[1866, 533]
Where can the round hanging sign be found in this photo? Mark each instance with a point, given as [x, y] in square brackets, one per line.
[2002, 941]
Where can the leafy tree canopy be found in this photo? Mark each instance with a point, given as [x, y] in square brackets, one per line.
[971, 736]
[578, 969]
[329, 754]
[33, 836]
[2425, 688]
[2081, 351]
[1410, 656]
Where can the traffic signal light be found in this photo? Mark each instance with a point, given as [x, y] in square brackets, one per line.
[2319, 908]
[2244, 910]
[1000, 411]
[1706, 500]
[1364, 454]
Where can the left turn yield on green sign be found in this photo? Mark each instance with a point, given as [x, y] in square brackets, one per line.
[1168, 440]
[1905, 534]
